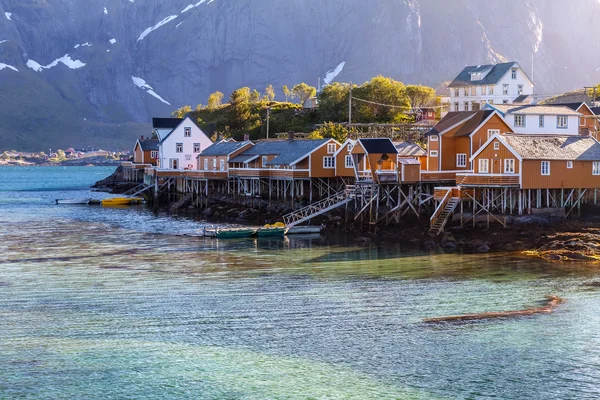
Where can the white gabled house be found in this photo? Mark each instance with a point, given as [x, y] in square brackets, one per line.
[179, 148]
[539, 119]
[477, 85]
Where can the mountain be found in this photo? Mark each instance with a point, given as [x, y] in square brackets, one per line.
[78, 72]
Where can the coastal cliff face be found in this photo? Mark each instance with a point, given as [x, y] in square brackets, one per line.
[75, 72]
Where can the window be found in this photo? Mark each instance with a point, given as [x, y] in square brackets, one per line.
[466, 106]
[492, 132]
[581, 121]
[496, 145]
[158, 163]
[328, 162]
[331, 148]
[456, 92]
[196, 147]
[596, 168]
[545, 167]
[461, 160]
[466, 92]
[153, 154]
[569, 164]
[179, 148]
[349, 163]
[519, 121]
[490, 101]
[562, 122]
[222, 165]
[505, 89]
[433, 138]
[490, 89]
[513, 73]
[474, 106]
[473, 90]
[264, 161]
[484, 166]
[504, 101]
[350, 147]
[187, 132]
[541, 121]
[433, 153]
[206, 164]
[456, 106]
[519, 89]
[509, 166]
[188, 157]
[214, 163]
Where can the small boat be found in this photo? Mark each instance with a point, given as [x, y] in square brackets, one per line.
[121, 201]
[229, 233]
[297, 230]
[75, 201]
[271, 231]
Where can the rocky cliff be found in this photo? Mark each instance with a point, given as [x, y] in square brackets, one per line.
[76, 72]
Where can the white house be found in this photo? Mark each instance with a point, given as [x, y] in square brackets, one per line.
[478, 85]
[179, 148]
[536, 119]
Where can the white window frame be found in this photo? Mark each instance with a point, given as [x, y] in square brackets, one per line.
[330, 148]
[456, 106]
[433, 153]
[466, 105]
[222, 165]
[433, 138]
[569, 164]
[513, 73]
[188, 157]
[484, 166]
[490, 89]
[492, 132]
[265, 160]
[349, 164]
[496, 145]
[547, 164]
[519, 89]
[541, 121]
[153, 154]
[206, 164]
[350, 147]
[473, 90]
[461, 160]
[456, 93]
[196, 147]
[505, 89]
[518, 117]
[509, 165]
[558, 120]
[187, 131]
[214, 164]
[178, 147]
[596, 168]
[328, 162]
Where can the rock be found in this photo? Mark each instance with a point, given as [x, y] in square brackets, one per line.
[484, 248]
[362, 240]
[209, 212]
[450, 246]
[448, 238]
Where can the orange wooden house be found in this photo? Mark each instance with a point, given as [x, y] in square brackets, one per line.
[453, 141]
[145, 151]
[528, 161]
[213, 162]
[375, 159]
[585, 121]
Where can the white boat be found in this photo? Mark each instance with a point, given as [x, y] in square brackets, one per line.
[299, 230]
[73, 201]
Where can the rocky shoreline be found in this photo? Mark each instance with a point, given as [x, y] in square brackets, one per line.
[77, 162]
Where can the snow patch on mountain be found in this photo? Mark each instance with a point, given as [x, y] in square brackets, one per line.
[2, 66]
[139, 82]
[537, 28]
[191, 6]
[86, 44]
[155, 27]
[331, 74]
[113, 41]
[66, 60]
[177, 26]
[3, 41]
[105, 10]
[8, 15]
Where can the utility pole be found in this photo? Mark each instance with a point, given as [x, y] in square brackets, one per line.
[350, 107]
[268, 115]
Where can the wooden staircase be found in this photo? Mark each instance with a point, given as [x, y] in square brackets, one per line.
[443, 212]
[320, 207]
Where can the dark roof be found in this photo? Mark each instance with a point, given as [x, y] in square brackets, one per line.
[471, 124]
[242, 158]
[493, 77]
[165, 123]
[149, 144]
[410, 149]
[523, 98]
[378, 146]
[222, 148]
[572, 106]
[296, 150]
[595, 110]
[449, 120]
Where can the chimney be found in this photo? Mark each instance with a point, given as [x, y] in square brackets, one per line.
[142, 137]
[246, 137]
[290, 135]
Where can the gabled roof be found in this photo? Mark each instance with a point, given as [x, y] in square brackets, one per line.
[409, 149]
[595, 110]
[181, 122]
[348, 141]
[451, 119]
[492, 78]
[523, 99]
[243, 158]
[532, 109]
[474, 122]
[223, 148]
[409, 161]
[148, 144]
[554, 147]
[296, 150]
[378, 146]
[165, 123]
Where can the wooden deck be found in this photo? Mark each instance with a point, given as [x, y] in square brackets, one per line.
[488, 180]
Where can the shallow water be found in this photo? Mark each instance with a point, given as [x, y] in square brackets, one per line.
[115, 303]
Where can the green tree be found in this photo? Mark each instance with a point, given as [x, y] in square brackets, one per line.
[182, 112]
[331, 130]
[60, 154]
[239, 102]
[420, 96]
[303, 92]
[333, 102]
[389, 96]
[214, 100]
[286, 93]
[270, 93]
[255, 96]
[199, 107]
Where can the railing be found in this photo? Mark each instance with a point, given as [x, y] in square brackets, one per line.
[440, 207]
[437, 176]
[488, 179]
[289, 173]
[387, 175]
[318, 208]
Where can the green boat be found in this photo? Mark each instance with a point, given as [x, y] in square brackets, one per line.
[270, 232]
[230, 233]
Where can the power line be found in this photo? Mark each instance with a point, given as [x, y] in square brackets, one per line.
[391, 106]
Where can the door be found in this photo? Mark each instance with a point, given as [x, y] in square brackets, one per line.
[174, 162]
[496, 166]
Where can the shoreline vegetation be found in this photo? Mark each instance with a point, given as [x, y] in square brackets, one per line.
[17, 159]
[548, 238]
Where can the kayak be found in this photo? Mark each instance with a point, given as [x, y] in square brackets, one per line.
[76, 201]
[230, 233]
[270, 232]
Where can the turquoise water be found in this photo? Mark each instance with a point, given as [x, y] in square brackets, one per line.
[117, 303]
